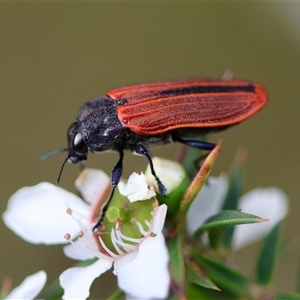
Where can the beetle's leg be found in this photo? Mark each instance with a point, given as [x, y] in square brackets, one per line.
[140, 149]
[115, 178]
[195, 144]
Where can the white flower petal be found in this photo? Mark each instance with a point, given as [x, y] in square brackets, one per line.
[122, 261]
[171, 173]
[83, 248]
[147, 276]
[38, 214]
[136, 188]
[92, 184]
[77, 281]
[159, 218]
[78, 251]
[207, 203]
[268, 203]
[30, 287]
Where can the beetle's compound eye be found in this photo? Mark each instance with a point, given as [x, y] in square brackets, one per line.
[79, 145]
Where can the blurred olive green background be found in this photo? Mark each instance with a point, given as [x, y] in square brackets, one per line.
[55, 56]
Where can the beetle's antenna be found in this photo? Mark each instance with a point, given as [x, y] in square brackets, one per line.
[61, 170]
[52, 153]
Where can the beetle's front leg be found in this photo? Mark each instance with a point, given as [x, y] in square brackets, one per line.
[140, 149]
[115, 179]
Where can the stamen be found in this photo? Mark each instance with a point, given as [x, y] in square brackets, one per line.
[127, 238]
[67, 236]
[113, 238]
[109, 252]
[141, 229]
[127, 247]
[77, 216]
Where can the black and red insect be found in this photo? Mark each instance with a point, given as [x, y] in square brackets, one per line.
[139, 116]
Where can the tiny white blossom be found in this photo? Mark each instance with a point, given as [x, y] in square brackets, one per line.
[136, 188]
[269, 203]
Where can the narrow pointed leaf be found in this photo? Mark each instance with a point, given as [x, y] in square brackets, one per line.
[177, 267]
[196, 186]
[227, 218]
[234, 191]
[197, 292]
[224, 277]
[267, 257]
[231, 200]
[196, 276]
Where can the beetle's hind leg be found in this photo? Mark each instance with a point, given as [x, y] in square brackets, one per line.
[195, 144]
[198, 145]
[140, 149]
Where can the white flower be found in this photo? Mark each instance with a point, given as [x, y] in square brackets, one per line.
[52, 215]
[268, 203]
[171, 173]
[30, 287]
[136, 188]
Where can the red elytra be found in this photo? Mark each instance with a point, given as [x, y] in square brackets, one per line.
[158, 107]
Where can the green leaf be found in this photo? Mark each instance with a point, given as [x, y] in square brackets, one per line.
[195, 187]
[197, 292]
[118, 294]
[233, 195]
[53, 291]
[177, 268]
[285, 296]
[227, 218]
[267, 257]
[234, 191]
[224, 277]
[195, 275]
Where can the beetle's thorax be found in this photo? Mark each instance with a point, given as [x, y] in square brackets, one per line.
[99, 124]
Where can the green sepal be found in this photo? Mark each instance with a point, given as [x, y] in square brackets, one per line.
[267, 256]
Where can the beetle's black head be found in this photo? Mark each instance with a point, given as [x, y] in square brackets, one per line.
[77, 148]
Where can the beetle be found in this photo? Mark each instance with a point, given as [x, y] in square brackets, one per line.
[136, 117]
